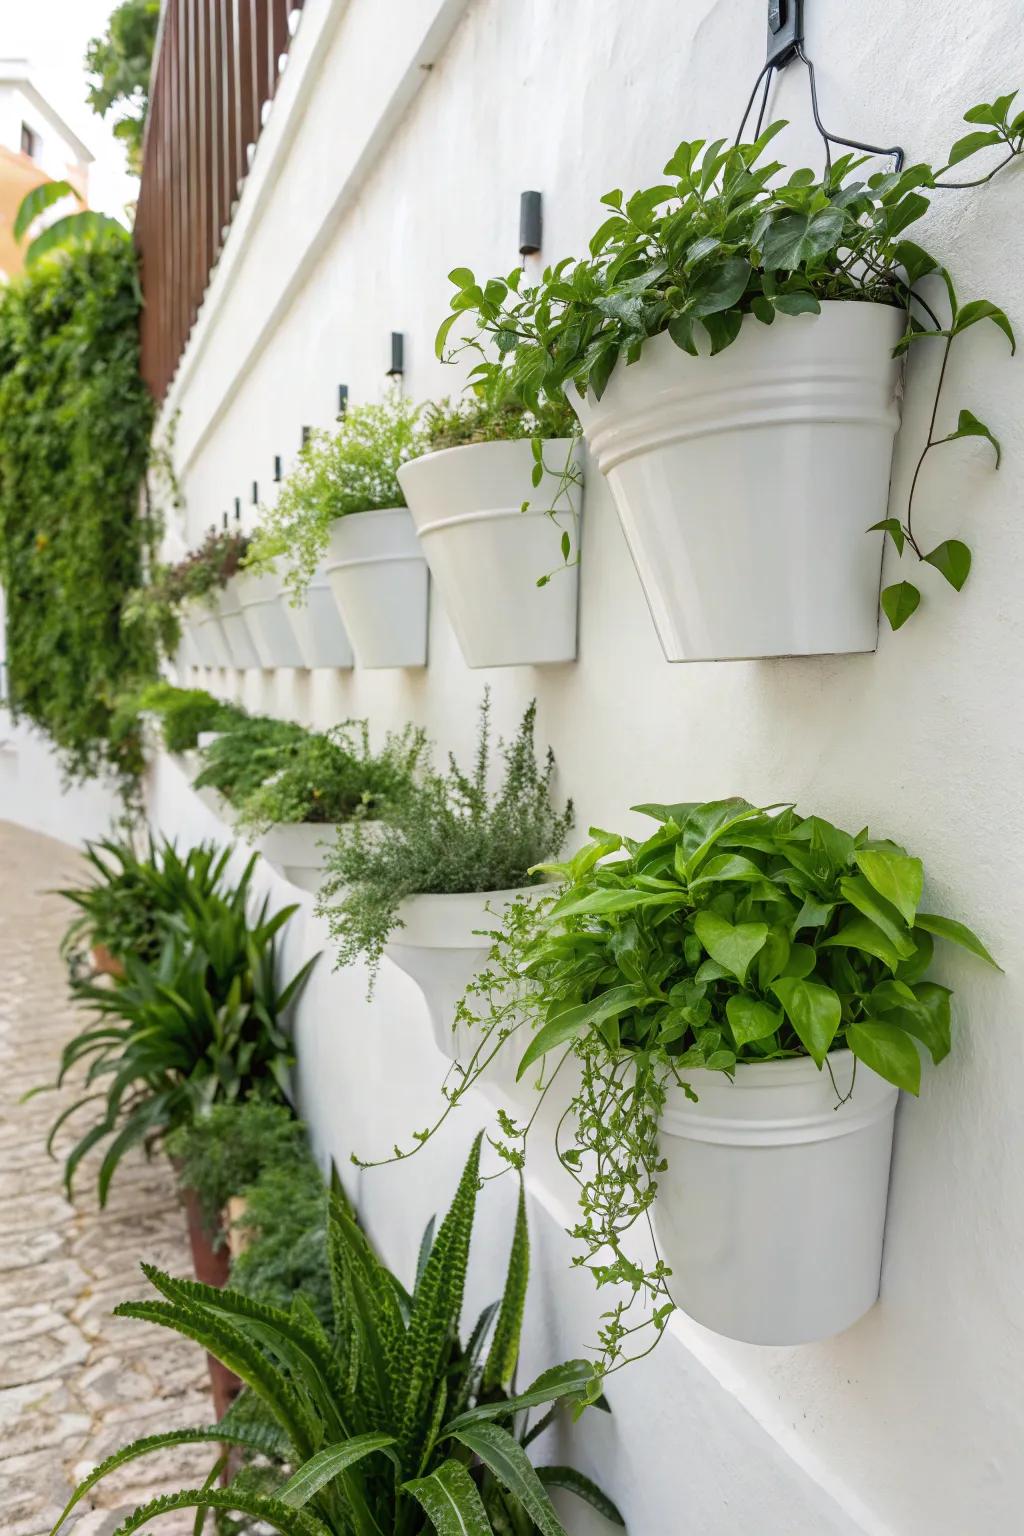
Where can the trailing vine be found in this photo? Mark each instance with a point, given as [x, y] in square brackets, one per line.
[75, 421]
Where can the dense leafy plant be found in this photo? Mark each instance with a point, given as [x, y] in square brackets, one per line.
[119, 63]
[449, 834]
[390, 1426]
[185, 712]
[476, 418]
[722, 239]
[123, 906]
[75, 421]
[204, 1023]
[333, 776]
[242, 757]
[733, 934]
[205, 569]
[352, 469]
[284, 1232]
[221, 1152]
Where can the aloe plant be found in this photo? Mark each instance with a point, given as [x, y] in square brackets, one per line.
[389, 1428]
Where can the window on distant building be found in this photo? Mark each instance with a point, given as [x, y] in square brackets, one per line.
[29, 142]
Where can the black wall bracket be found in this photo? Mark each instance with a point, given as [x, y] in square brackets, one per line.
[397, 355]
[530, 223]
[785, 30]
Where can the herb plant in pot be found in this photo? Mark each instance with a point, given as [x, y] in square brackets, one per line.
[341, 510]
[237, 759]
[323, 785]
[746, 991]
[485, 498]
[732, 346]
[429, 884]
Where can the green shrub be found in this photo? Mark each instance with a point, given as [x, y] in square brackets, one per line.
[285, 1224]
[353, 469]
[220, 1153]
[477, 419]
[183, 712]
[246, 754]
[75, 420]
[451, 834]
[332, 776]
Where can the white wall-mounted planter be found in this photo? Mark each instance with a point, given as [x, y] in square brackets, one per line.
[265, 607]
[236, 631]
[745, 483]
[378, 576]
[208, 633]
[772, 1210]
[442, 946]
[318, 627]
[485, 553]
[297, 850]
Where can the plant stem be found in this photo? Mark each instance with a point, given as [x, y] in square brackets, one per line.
[927, 447]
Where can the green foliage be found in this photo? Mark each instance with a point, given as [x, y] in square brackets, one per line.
[732, 935]
[333, 776]
[119, 64]
[384, 1421]
[477, 419]
[184, 712]
[226, 1149]
[247, 754]
[204, 1023]
[75, 420]
[450, 834]
[125, 904]
[285, 1224]
[722, 240]
[206, 569]
[353, 469]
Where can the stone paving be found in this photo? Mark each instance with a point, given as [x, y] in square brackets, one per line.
[75, 1382]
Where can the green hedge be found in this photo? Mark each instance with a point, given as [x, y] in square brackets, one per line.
[75, 422]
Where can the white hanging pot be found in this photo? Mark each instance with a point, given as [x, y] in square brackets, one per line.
[772, 1209]
[378, 577]
[236, 631]
[265, 607]
[745, 483]
[485, 553]
[297, 850]
[318, 626]
[211, 641]
[442, 945]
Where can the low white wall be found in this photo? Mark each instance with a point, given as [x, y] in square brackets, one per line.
[32, 791]
[397, 149]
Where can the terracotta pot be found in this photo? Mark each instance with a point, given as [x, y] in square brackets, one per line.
[211, 1265]
[104, 963]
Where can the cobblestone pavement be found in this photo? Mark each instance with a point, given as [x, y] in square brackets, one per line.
[75, 1382]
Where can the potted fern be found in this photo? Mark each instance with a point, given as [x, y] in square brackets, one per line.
[732, 345]
[323, 785]
[484, 497]
[431, 882]
[341, 512]
[398, 1426]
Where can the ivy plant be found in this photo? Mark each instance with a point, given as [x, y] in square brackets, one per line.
[449, 834]
[352, 469]
[75, 420]
[387, 1421]
[723, 238]
[733, 934]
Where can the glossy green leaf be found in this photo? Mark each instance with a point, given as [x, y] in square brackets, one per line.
[897, 877]
[814, 1012]
[968, 425]
[510, 1464]
[37, 201]
[721, 288]
[575, 1482]
[572, 1021]
[970, 144]
[887, 1050]
[451, 1500]
[750, 1019]
[926, 1016]
[894, 528]
[575, 1378]
[862, 933]
[958, 933]
[984, 309]
[953, 560]
[733, 946]
[328, 1464]
[899, 602]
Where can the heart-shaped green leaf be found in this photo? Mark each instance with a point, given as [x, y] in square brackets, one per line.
[900, 601]
[750, 1019]
[887, 1050]
[896, 876]
[814, 1012]
[733, 946]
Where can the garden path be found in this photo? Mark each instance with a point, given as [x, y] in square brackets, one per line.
[75, 1382]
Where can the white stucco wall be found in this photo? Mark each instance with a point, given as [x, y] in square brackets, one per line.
[376, 175]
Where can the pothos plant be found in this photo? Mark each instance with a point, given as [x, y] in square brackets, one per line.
[734, 934]
[724, 238]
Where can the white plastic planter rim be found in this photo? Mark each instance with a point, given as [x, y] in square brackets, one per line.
[265, 608]
[486, 555]
[745, 483]
[771, 1212]
[378, 576]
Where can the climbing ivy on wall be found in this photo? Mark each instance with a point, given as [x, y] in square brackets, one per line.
[75, 421]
